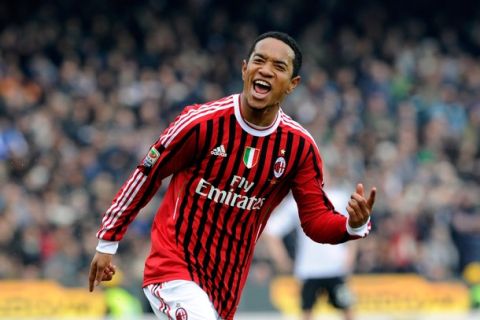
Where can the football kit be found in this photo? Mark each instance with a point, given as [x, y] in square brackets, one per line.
[226, 178]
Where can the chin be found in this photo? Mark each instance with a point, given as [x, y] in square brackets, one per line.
[256, 104]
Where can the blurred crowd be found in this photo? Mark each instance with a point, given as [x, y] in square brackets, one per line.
[392, 99]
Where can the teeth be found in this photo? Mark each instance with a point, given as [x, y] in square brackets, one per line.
[263, 83]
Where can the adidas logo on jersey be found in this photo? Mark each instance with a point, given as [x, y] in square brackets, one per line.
[219, 151]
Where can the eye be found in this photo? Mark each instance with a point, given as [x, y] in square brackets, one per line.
[281, 67]
[257, 60]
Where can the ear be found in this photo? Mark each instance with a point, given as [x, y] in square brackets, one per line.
[244, 68]
[293, 84]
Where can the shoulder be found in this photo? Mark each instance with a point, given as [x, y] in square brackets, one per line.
[290, 125]
[196, 114]
[211, 109]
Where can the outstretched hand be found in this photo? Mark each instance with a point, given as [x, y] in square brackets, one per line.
[359, 208]
[101, 269]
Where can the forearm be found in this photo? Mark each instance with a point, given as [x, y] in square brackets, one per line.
[278, 252]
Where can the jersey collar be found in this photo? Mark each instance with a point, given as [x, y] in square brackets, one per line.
[251, 129]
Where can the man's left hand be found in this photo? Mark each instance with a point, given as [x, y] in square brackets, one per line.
[359, 209]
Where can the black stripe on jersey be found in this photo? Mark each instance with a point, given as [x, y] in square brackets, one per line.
[317, 168]
[189, 258]
[300, 145]
[316, 161]
[298, 156]
[227, 216]
[249, 239]
[276, 149]
[298, 152]
[146, 196]
[218, 207]
[204, 278]
[206, 146]
[287, 156]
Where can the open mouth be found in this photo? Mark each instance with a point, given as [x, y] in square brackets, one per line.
[262, 87]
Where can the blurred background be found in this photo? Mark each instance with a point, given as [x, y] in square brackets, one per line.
[390, 91]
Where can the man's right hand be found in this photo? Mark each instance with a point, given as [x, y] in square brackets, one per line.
[101, 269]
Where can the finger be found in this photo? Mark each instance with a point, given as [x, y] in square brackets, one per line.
[351, 212]
[91, 277]
[108, 272]
[107, 277]
[99, 277]
[108, 269]
[371, 198]
[361, 203]
[353, 219]
[354, 204]
[360, 212]
[359, 189]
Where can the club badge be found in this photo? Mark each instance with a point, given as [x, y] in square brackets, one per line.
[181, 314]
[279, 167]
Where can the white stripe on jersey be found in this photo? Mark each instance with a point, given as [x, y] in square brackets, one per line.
[183, 116]
[258, 232]
[193, 118]
[191, 115]
[175, 210]
[132, 196]
[122, 197]
[117, 209]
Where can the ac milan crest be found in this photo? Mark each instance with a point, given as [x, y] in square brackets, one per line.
[279, 167]
[181, 314]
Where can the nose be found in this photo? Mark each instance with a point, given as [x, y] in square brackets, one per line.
[266, 70]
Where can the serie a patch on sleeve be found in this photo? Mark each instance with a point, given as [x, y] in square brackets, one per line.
[151, 157]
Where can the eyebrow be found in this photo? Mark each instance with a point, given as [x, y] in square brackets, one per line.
[274, 61]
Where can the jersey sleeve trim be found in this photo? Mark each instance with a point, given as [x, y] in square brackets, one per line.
[105, 246]
[361, 231]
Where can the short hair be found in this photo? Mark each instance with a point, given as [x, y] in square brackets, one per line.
[288, 40]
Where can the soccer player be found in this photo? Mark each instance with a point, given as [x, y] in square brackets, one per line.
[232, 161]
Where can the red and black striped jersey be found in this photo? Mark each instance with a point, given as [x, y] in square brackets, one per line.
[227, 177]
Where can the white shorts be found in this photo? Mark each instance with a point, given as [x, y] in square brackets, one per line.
[180, 300]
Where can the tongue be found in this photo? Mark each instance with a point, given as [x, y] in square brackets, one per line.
[261, 89]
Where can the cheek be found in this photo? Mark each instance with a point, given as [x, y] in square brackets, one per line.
[284, 86]
[247, 75]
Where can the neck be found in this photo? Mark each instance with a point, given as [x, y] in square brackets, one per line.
[264, 117]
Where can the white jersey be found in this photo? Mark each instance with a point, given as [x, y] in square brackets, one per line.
[312, 260]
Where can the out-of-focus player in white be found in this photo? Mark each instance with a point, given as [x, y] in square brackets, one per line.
[322, 268]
